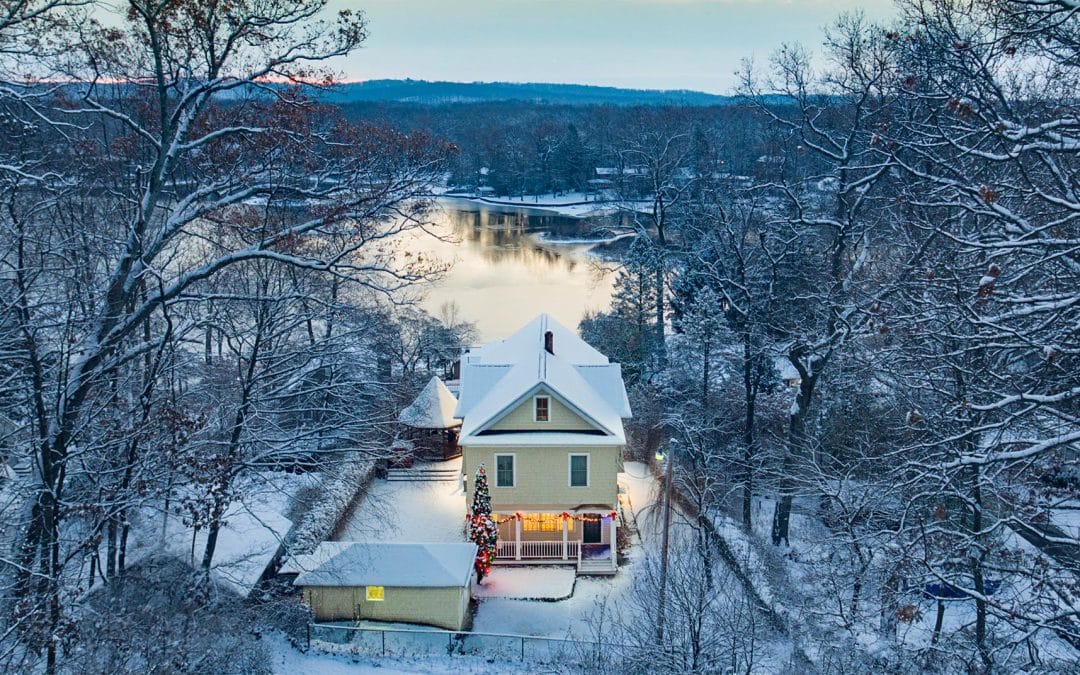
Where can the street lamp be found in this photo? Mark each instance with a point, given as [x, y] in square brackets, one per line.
[672, 446]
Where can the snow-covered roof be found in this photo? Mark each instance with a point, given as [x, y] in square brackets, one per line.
[498, 377]
[432, 409]
[396, 565]
[569, 439]
[306, 562]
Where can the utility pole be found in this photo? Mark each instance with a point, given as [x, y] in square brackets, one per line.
[664, 545]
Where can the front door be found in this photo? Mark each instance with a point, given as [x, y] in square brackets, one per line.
[590, 532]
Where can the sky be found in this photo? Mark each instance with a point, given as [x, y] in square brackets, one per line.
[648, 44]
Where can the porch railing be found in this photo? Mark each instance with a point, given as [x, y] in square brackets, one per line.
[538, 550]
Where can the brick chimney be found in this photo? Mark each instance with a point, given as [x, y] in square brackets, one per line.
[549, 342]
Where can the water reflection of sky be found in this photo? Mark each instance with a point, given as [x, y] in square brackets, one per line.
[502, 276]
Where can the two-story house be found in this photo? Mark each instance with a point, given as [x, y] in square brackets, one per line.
[543, 411]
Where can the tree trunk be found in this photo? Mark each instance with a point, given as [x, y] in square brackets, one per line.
[977, 572]
[938, 621]
[110, 548]
[211, 543]
[750, 393]
[796, 443]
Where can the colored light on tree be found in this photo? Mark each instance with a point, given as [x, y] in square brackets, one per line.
[483, 530]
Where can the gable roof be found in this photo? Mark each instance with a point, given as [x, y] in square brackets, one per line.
[500, 376]
[400, 565]
[433, 408]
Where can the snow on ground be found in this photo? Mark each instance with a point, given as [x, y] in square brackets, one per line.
[555, 631]
[254, 531]
[548, 238]
[574, 204]
[528, 583]
[410, 511]
[570, 618]
[287, 660]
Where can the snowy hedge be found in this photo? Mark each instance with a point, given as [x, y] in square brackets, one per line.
[338, 492]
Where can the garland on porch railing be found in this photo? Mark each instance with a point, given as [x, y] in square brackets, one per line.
[581, 518]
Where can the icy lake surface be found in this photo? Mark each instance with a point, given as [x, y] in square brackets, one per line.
[506, 269]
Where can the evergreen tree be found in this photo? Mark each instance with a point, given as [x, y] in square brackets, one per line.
[634, 295]
[483, 530]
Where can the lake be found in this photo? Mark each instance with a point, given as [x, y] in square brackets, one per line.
[505, 269]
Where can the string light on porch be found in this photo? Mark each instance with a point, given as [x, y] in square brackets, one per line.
[581, 518]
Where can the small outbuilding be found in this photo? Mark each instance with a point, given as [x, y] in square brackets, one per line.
[429, 422]
[411, 583]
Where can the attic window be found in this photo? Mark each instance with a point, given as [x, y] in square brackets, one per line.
[541, 410]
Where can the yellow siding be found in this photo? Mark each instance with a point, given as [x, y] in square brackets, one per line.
[543, 477]
[561, 418]
[443, 607]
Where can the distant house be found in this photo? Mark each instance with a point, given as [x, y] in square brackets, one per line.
[412, 583]
[543, 411]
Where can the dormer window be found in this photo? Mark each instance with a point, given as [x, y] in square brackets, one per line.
[541, 409]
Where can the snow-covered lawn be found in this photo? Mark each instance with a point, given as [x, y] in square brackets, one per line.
[410, 512]
[528, 583]
[255, 529]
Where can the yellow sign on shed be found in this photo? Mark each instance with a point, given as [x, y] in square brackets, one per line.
[375, 594]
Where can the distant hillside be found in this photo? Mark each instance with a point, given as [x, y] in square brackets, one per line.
[421, 91]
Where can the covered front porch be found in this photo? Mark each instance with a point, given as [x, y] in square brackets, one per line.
[584, 538]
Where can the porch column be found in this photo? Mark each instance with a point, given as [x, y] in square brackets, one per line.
[564, 539]
[613, 543]
[517, 538]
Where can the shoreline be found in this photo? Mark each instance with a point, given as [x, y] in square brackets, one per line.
[573, 207]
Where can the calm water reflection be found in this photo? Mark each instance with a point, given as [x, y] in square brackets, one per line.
[504, 274]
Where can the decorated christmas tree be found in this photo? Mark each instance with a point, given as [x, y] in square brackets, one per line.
[482, 528]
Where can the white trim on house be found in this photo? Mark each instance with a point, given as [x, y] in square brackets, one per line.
[513, 456]
[570, 469]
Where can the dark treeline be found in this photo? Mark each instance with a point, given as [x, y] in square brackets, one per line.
[520, 148]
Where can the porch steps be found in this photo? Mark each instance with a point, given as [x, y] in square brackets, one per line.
[423, 474]
[602, 566]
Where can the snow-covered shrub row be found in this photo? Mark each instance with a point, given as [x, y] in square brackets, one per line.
[338, 492]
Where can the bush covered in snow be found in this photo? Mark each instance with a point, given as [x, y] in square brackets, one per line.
[339, 490]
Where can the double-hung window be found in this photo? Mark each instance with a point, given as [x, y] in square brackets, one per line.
[579, 471]
[541, 409]
[505, 471]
